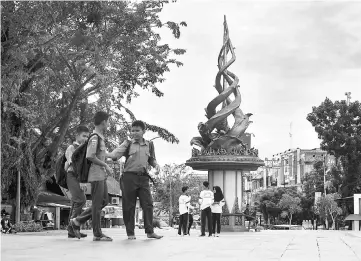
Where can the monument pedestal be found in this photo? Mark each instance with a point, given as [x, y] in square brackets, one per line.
[227, 172]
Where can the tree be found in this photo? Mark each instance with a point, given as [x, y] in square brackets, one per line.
[267, 200]
[61, 62]
[290, 206]
[338, 125]
[169, 185]
[327, 205]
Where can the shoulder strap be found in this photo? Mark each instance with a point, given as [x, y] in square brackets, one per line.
[99, 138]
[126, 153]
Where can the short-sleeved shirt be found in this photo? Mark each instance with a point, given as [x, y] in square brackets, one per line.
[140, 155]
[68, 153]
[96, 172]
[207, 198]
[184, 203]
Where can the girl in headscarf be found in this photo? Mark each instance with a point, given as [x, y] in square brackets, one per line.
[217, 209]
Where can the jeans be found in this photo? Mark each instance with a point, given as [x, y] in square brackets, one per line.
[100, 199]
[216, 217]
[78, 198]
[183, 224]
[134, 186]
[206, 215]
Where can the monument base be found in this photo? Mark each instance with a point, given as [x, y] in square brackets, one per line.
[229, 228]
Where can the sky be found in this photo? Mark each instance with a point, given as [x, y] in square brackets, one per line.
[290, 56]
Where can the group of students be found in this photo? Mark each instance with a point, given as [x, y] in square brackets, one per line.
[211, 203]
[134, 183]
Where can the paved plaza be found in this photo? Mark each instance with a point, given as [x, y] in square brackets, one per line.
[266, 245]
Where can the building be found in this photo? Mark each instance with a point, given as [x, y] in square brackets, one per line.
[288, 168]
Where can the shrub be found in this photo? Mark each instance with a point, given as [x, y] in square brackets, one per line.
[28, 227]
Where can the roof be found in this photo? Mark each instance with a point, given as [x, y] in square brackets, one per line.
[353, 217]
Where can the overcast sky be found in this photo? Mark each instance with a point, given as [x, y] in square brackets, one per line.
[290, 57]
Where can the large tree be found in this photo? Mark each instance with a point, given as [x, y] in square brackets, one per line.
[61, 62]
[290, 206]
[338, 125]
[169, 187]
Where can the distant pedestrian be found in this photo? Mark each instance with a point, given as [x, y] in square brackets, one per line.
[217, 209]
[184, 207]
[206, 200]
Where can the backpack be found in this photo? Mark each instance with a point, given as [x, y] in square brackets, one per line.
[81, 164]
[60, 172]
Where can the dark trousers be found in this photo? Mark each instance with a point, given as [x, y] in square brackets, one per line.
[78, 198]
[190, 218]
[134, 186]
[216, 218]
[183, 224]
[100, 199]
[206, 215]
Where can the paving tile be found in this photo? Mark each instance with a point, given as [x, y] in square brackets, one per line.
[266, 245]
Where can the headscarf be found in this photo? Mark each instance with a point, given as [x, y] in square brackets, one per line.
[218, 196]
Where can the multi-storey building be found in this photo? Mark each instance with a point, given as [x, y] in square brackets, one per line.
[288, 168]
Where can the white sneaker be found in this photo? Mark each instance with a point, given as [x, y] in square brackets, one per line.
[217, 235]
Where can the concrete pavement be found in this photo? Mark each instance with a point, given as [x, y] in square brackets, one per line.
[266, 245]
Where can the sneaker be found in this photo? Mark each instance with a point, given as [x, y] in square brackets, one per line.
[217, 235]
[75, 228]
[153, 235]
[102, 238]
[72, 235]
[202, 235]
[132, 237]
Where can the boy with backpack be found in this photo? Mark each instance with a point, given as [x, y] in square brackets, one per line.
[95, 173]
[78, 198]
[135, 179]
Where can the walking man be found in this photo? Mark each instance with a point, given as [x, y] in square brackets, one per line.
[78, 198]
[206, 200]
[135, 179]
[96, 153]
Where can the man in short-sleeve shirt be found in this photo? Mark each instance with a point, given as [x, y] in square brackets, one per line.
[206, 200]
[135, 180]
[98, 171]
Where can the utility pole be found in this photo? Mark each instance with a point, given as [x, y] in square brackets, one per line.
[170, 200]
[17, 213]
[291, 135]
[348, 95]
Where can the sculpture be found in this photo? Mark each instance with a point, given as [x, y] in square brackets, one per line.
[225, 138]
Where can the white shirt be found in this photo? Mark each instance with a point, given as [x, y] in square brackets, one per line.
[217, 206]
[207, 198]
[184, 204]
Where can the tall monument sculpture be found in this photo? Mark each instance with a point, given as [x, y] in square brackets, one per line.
[221, 150]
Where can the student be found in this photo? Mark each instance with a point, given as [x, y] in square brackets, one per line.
[217, 209]
[184, 206]
[97, 177]
[206, 200]
[78, 198]
[135, 180]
